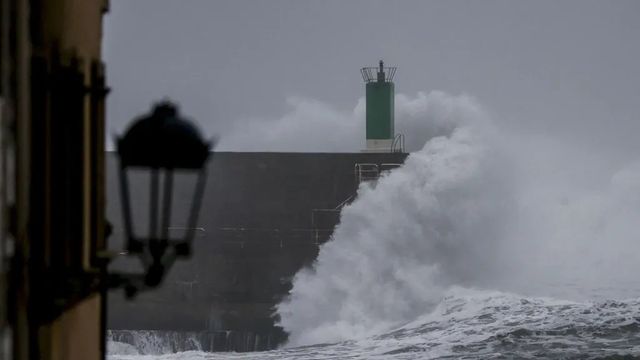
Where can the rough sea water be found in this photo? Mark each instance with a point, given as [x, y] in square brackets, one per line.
[486, 244]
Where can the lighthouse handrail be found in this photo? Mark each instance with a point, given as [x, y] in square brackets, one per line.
[370, 74]
[398, 143]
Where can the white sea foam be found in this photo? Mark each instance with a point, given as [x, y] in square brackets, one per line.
[478, 324]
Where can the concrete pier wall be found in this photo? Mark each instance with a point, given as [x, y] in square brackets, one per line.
[264, 216]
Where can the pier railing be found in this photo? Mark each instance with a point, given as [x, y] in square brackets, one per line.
[274, 238]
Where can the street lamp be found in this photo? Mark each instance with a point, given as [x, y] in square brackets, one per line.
[158, 147]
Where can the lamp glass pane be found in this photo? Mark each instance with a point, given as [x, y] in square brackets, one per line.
[139, 201]
[184, 182]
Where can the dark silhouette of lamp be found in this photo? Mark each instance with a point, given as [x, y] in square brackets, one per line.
[158, 145]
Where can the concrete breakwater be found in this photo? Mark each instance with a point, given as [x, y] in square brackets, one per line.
[155, 342]
[263, 218]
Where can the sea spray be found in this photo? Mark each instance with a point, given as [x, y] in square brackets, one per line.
[477, 207]
[310, 125]
[421, 228]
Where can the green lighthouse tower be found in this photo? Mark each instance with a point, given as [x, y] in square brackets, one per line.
[380, 107]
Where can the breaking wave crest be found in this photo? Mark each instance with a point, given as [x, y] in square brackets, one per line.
[480, 324]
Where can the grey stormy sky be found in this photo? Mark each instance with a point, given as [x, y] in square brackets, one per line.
[561, 68]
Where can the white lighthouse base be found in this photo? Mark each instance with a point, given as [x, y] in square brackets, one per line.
[378, 145]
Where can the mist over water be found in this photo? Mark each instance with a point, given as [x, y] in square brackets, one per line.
[309, 125]
[477, 207]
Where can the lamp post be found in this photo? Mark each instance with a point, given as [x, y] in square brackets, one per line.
[158, 146]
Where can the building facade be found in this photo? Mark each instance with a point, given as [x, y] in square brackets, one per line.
[52, 94]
